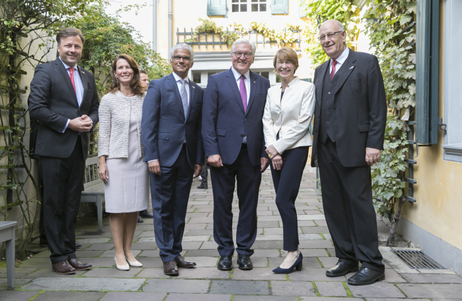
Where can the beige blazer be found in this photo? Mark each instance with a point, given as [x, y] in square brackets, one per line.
[289, 117]
[114, 126]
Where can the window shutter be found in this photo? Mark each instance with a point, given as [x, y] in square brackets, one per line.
[216, 7]
[279, 7]
[427, 72]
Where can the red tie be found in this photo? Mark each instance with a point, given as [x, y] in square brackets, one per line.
[71, 75]
[332, 73]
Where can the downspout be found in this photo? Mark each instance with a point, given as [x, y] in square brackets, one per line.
[154, 25]
[170, 25]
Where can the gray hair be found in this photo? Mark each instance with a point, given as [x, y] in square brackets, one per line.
[243, 41]
[182, 46]
[339, 24]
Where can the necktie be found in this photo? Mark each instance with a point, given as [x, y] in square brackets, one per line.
[332, 73]
[184, 98]
[71, 76]
[243, 92]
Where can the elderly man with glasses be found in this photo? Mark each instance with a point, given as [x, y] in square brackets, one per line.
[232, 131]
[349, 126]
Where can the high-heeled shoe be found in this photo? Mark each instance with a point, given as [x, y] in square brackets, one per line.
[135, 263]
[122, 267]
[297, 265]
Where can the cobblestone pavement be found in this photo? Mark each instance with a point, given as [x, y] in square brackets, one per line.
[35, 279]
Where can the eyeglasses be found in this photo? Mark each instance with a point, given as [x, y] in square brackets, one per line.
[329, 35]
[245, 54]
[178, 58]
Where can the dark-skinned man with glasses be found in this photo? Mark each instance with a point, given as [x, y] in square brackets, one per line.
[232, 131]
[173, 149]
[349, 126]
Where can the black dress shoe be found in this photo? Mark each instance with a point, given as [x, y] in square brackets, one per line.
[341, 269]
[225, 263]
[183, 263]
[244, 262]
[140, 220]
[202, 186]
[63, 268]
[170, 268]
[79, 266]
[77, 245]
[146, 214]
[366, 276]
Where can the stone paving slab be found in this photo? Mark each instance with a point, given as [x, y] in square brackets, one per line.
[240, 287]
[84, 284]
[68, 296]
[432, 278]
[177, 286]
[379, 289]
[434, 291]
[263, 298]
[293, 288]
[192, 297]
[331, 289]
[17, 296]
[132, 296]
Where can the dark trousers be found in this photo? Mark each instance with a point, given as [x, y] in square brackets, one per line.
[248, 184]
[204, 174]
[169, 196]
[62, 188]
[287, 183]
[350, 215]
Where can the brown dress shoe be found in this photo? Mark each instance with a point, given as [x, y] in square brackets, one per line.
[183, 263]
[78, 266]
[170, 268]
[63, 267]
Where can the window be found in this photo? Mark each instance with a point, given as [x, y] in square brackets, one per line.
[248, 6]
[196, 75]
[216, 7]
[265, 74]
[258, 5]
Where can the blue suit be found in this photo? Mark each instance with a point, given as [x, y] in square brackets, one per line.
[176, 142]
[224, 125]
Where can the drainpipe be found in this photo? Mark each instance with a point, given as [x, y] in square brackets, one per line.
[154, 25]
[170, 25]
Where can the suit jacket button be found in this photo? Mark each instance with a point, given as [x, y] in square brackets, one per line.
[181, 141]
[245, 119]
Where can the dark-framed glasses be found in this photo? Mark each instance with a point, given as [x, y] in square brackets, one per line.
[240, 54]
[178, 58]
[329, 35]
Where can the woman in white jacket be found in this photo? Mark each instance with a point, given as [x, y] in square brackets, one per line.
[286, 120]
[121, 166]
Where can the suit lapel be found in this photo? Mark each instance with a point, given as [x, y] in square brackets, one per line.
[319, 84]
[192, 90]
[253, 90]
[83, 78]
[233, 84]
[344, 72]
[174, 86]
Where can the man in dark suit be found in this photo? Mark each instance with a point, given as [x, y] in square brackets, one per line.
[349, 126]
[64, 101]
[232, 130]
[172, 142]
